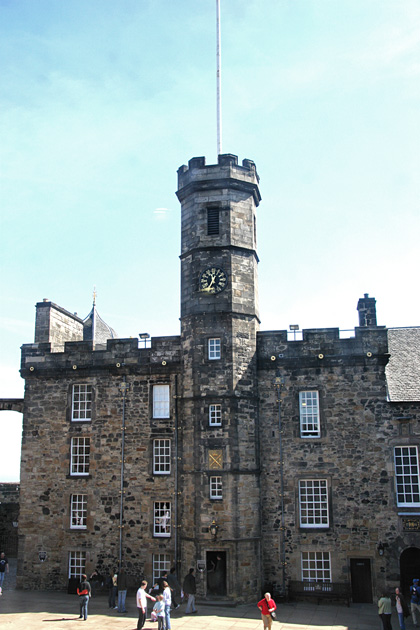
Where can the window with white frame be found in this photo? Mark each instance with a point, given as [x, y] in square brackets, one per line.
[316, 566]
[78, 511]
[214, 348]
[161, 565]
[313, 503]
[216, 488]
[215, 415]
[407, 487]
[81, 403]
[77, 564]
[162, 518]
[161, 401]
[309, 414]
[162, 457]
[80, 456]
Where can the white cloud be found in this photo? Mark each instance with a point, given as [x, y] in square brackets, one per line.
[161, 213]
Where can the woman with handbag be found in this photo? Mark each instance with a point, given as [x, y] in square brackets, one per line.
[267, 607]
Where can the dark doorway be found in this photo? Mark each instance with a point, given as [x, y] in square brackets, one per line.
[216, 573]
[361, 580]
[409, 568]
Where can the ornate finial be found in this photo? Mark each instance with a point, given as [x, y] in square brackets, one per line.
[94, 296]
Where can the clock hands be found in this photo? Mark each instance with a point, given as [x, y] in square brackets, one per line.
[213, 280]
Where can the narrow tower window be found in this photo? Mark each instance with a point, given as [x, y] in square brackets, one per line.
[212, 221]
[215, 415]
[216, 488]
[309, 414]
[161, 401]
[214, 349]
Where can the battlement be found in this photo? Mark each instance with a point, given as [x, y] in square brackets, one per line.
[227, 173]
[82, 355]
[322, 346]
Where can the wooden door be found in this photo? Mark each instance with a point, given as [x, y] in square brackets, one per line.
[361, 580]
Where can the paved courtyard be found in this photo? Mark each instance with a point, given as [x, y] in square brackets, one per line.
[35, 610]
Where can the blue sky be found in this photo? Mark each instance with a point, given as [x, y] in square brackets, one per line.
[102, 101]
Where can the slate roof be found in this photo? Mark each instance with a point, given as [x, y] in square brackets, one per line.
[96, 330]
[403, 369]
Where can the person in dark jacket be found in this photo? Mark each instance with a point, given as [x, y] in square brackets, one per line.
[84, 592]
[175, 587]
[415, 600]
[189, 588]
[402, 608]
[111, 583]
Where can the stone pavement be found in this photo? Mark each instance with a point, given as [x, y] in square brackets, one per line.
[33, 610]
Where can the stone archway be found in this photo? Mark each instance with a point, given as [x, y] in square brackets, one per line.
[409, 568]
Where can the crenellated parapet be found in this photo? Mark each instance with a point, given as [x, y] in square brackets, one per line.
[227, 173]
[322, 346]
[119, 354]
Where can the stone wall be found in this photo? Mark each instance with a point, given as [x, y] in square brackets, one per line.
[47, 485]
[354, 452]
[55, 325]
[9, 515]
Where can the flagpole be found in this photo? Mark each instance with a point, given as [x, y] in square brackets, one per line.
[219, 89]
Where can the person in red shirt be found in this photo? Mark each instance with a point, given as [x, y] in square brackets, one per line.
[267, 606]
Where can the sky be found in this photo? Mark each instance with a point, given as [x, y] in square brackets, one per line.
[102, 101]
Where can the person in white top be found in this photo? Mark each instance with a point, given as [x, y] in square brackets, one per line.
[141, 600]
[167, 599]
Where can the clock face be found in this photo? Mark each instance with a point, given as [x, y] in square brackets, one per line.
[213, 280]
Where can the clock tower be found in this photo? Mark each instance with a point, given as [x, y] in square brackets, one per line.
[219, 506]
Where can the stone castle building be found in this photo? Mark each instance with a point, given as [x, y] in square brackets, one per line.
[252, 456]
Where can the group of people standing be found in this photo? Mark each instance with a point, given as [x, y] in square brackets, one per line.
[168, 589]
[403, 611]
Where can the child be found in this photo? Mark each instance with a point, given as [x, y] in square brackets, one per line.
[159, 609]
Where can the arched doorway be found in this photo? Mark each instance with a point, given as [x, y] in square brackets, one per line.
[409, 568]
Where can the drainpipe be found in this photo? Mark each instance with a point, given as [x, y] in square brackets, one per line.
[123, 389]
[278, 384]
[176, 538]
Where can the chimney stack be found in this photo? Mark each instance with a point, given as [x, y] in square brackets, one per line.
[367, 311]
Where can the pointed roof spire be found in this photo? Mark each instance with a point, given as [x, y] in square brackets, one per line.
[94, 327]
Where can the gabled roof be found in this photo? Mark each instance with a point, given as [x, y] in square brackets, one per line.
[403, 369]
